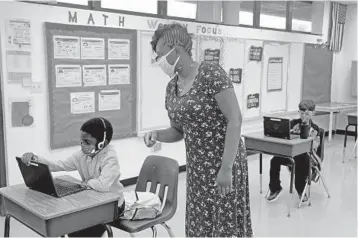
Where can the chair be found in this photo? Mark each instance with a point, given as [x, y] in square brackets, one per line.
[315, 166]
[351, 122]
[163, 172]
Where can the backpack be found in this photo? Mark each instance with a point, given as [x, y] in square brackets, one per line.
[141, 205]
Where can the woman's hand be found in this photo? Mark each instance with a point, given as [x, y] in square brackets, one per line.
[224, 181]
[150, 138]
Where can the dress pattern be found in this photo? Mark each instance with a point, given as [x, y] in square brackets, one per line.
[209, 214]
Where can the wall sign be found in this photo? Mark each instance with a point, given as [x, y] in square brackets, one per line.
[235, 75]
[253, 101]
[274, 74]
[255, 53]
[211, 55]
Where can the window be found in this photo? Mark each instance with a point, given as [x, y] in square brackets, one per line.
[273, 14]
[185, 9]
[76, 2]
[302, 16]
[246, 13]
[143, 6]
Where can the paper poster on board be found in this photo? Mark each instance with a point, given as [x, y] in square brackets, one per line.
[109, 100]
[66, 47]
[94, 75]
[212, 55]
[18, 34]
[118, 49]
[253, 100]
[68, 76]
[82, 102]
[235, 75]
[118, 74]
[19, 66]
[274, 74]
[92, 48]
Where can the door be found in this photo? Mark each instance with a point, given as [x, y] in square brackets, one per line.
[274, 78]
[2, 139]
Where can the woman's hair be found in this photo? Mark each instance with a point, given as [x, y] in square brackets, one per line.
[95, 128]
[174, 35]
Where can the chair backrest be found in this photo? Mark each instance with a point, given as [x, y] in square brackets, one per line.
[320, 149]
[160, 171]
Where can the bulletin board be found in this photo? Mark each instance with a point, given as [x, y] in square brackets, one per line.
[91, 73]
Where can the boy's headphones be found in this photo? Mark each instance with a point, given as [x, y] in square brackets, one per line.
[101, 144]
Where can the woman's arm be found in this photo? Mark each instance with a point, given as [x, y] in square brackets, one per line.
[229, 106]
[170, 135]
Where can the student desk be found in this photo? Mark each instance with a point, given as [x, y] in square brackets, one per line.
[333, 107]
[53, 217]
[258, 142]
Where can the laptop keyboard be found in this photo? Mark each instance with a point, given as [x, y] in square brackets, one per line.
[63, 190]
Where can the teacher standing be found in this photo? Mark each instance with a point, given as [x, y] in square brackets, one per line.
[204, 111]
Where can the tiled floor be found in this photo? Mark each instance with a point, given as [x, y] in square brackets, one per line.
[334, 217]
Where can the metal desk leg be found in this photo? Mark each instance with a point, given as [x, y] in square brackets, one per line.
[330, 126]
[291, 190]
[261, 173]
[353, 151]
[345, 143]
[7, 226]
[109, 230]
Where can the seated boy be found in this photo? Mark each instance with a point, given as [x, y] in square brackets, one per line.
[306, 111]
[96, 162]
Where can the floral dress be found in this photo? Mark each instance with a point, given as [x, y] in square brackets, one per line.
[209, 214]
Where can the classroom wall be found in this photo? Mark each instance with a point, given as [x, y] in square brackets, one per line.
[342, 61]
[131, 151]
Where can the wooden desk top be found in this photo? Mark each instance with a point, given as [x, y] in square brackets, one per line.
[334, 106]
[48, 207]
[261, 137]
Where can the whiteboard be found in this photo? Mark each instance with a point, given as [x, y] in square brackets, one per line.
[274, 101]
[233, 56]
[252, 79]
[152, 83]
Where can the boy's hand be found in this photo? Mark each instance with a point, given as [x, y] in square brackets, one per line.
[27, 158]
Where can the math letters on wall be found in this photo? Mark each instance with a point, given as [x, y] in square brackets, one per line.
[253, 101]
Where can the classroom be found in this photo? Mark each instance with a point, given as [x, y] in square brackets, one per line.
[276, 55]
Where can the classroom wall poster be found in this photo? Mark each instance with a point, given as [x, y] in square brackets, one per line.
[66, 47]
[235, 75]
[109, 100]
[274, 74]
[18, 34]
[256, 53]
[19, 66]
[212, 55]
[68, 76]
[253, 101]
[118, 74]
[94, 75]
[82, 102]
[92, 48]
[118, 49]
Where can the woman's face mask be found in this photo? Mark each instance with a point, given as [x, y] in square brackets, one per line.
[166, 67]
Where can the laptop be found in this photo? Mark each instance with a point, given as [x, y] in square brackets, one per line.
[37, 176]
[279, 128]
